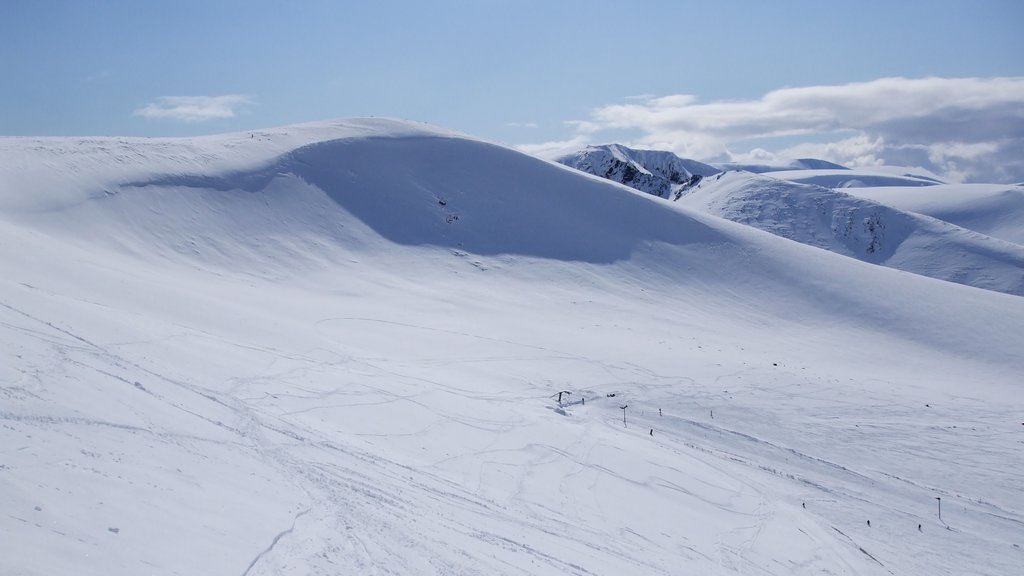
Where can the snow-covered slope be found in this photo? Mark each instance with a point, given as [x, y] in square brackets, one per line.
[996, 210]
[655, 172]
[335, 349]
[830, 175]
[847, 178]
[863, 229]
[795, 201]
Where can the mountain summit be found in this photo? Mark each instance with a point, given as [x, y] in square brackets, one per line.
[655, 172]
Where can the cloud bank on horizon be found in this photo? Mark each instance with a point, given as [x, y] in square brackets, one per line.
[965, 129]
[192, 109]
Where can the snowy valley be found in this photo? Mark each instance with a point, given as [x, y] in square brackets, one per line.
[337, 348]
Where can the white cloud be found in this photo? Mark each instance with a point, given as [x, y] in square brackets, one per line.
[969, 128]
[858, 150]
[558, 148]
[194, 108]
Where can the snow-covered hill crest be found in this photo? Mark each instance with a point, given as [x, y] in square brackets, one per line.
[407, 184]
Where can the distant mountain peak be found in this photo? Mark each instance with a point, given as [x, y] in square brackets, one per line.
[656, 172]
[817, 164]
[784, 166]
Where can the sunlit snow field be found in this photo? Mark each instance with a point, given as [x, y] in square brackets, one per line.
[336, 348]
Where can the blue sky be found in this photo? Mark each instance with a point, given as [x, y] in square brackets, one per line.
[538, 74]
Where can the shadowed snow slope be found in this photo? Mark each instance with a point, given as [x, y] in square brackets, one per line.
[863, 229]
[335, 348]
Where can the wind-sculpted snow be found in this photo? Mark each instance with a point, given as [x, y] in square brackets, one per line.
[416, 191]
[282, 353]
[486, 200]
[863, 229]
[40, 174]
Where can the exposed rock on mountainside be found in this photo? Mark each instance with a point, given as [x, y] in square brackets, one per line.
[655, 172]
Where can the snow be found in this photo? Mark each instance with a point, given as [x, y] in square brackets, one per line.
[995, 210]
[333, 348]
[863, 229]
[847, 178]
[970, 238]
[831, 175]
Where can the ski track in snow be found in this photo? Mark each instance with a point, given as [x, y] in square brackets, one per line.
[736, 447]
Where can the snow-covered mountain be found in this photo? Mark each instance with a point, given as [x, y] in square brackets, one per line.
[798, 164]
[664, 174]
[338, 348]
[802, 201]
[863, 229]
[847, 178]
[655, 172]
[831, 175]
